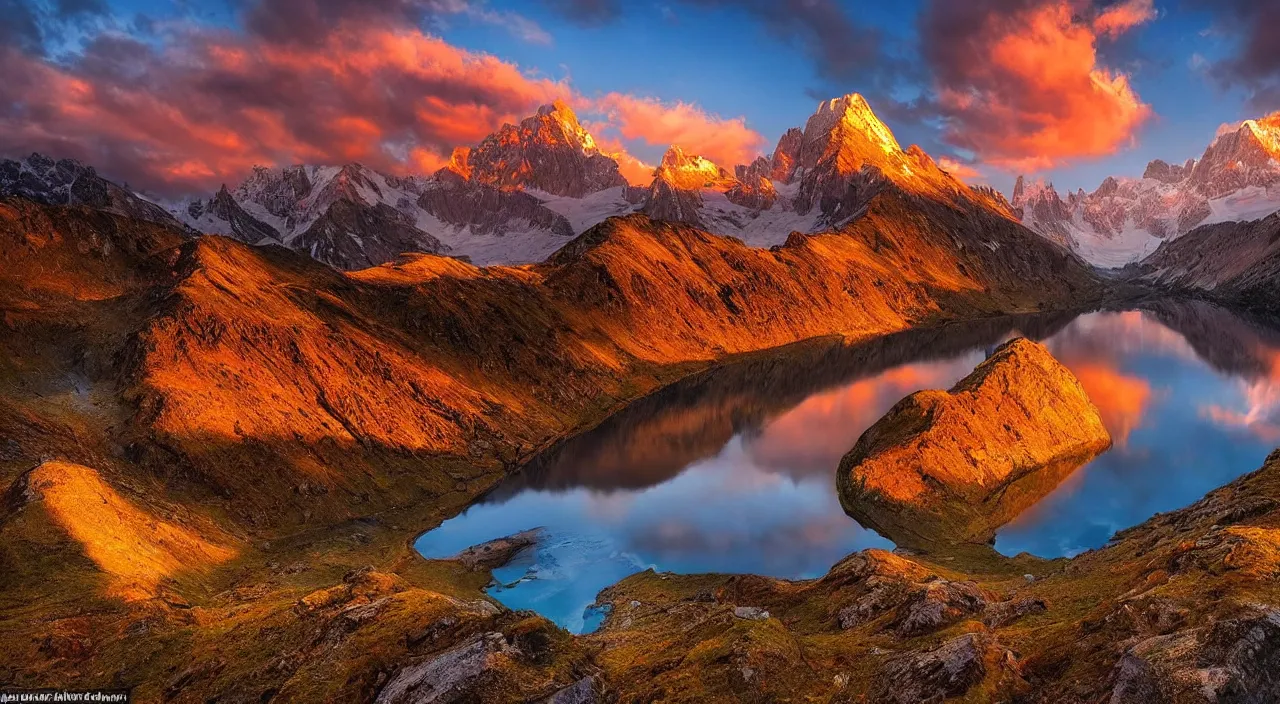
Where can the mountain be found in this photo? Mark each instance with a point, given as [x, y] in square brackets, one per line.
[1237, 263]
[69, 182]
[1237, 179]
[516, 197]
[526, 190]
[548, 152]
[818, 178]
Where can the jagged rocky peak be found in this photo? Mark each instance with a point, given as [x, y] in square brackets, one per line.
[1244, 157]
[459, 163]
[851, 112]
[688, 171]
[1108, 187]
[1162, 171]
[549, 152]
[70, 182]
[782, 163]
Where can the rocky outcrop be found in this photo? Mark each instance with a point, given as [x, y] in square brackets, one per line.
[499, 551]
[946, 672]
[451, 676]
[953, 466]
[1229, 661]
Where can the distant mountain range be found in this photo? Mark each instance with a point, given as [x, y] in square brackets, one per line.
[1126, 219]
[526, 190]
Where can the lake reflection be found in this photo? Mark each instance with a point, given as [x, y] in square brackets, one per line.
[733, 470]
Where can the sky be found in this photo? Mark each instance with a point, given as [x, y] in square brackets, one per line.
[176, 97]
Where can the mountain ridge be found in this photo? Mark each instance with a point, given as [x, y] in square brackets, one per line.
[1237, 179]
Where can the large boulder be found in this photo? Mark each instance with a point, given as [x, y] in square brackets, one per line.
[949, 467]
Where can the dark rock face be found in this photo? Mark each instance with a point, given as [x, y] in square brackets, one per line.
[549, 151]
[244, 226]
[670, 203]
[69, 182]
[950, 670]
[356, 236]
[1230, 661]
[1168, 173]
[452, 676]
[757, 194]
[486, 210]
[953, 466]
[1235, 262]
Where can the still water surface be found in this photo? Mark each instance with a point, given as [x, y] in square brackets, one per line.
[734, 470]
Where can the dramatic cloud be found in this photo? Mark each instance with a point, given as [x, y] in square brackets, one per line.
[958, 168]
[725, 141]
[1255, 63]
[1018, 82]
[304, 82]
[207, 105]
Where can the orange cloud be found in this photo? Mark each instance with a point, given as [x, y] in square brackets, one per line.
[959, 169]
[1019, 83]
[633, 169]
[212, 104]
[727, 142]
[1124, 16]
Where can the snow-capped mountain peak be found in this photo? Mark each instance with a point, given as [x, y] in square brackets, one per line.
[1124, 219]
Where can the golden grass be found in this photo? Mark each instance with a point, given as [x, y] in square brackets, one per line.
[137, 549]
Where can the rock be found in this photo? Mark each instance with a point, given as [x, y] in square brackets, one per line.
[950, 670]
[884, 595]
[448, 677]
[938, 604]
[751, 613]
[581, 692]
[1231, 661]
[498, 552]
[549, 151]
[945, 467]
[1003, 613]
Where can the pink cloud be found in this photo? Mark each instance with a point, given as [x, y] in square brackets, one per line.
[208, 105]
[727, 142]
[1019, 82]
